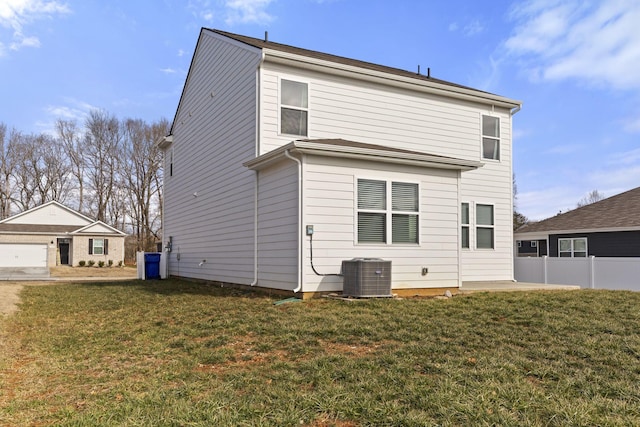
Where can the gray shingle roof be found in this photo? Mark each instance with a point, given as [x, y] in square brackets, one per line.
[39, 228]
[620, 211]
[262, 44]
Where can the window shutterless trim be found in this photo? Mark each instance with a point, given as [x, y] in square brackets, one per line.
[291, 107]
[490, 137]
[387, 212]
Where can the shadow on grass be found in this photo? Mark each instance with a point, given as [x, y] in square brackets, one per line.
[186, 287]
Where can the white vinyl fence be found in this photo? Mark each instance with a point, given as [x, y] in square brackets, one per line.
[592, 272]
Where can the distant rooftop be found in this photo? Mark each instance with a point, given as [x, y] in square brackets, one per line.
[619, 211]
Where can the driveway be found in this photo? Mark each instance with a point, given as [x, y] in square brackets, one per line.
[24, 273]
[10, 288]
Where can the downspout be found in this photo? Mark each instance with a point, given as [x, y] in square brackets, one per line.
[300, 248]
[257, 153]
[512, 113]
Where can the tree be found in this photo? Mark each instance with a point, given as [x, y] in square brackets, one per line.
[70, 139]
[103, 151]
[592, 197]
[7, 160]
[142, 171]
[518, 219]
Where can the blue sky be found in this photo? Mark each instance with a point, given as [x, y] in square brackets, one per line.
[574, 64]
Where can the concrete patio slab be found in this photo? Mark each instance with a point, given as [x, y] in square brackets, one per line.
[510, 286]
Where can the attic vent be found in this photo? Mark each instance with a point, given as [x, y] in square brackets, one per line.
[366, 278]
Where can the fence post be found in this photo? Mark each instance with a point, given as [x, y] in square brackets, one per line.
[592, 272]
[544, 268]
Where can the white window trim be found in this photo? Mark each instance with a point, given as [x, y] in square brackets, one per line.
[473, 226]
[482, 136]
[281, 105]
[388, 212]
[476, 226]
[93, 249]
[468, 226]
[534, 243]
[573, 251]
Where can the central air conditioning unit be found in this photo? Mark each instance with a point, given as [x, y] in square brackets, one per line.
[366, 278]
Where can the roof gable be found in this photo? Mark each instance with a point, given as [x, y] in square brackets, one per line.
[51, 213]
[98, 227]
[619, 211]
[382, 72]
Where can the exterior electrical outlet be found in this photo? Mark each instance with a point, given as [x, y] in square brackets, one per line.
[309, 230]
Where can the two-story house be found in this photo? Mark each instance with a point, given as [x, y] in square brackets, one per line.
[282, 162]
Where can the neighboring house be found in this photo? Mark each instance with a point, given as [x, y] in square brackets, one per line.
[53, 234]
[607, 228]
[282, 162]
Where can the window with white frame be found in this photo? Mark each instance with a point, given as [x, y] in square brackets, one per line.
[484, 227]
[294, 107]
[490, 137]
[572, 248]
[465, 225]
[98, 246]
[383, 222]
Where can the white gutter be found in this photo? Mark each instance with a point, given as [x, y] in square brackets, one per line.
[468, 94]
[300, 248]
[257, 177]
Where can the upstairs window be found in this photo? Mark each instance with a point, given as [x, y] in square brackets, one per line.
[490, 138]
[383, 222]
[294, 107]
[572, 248]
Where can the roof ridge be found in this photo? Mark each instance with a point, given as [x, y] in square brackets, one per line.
[262, 44]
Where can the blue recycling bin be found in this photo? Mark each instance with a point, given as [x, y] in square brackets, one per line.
[151, 266]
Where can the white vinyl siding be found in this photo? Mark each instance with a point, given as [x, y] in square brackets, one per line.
[278, 231]
[209, 200]
[372, 113]
[330, 205]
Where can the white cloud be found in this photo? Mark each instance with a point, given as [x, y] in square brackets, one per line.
[626, 158]
[596, 42]
[169, 70]
[248, 11]
[17, 14]
[472, 28]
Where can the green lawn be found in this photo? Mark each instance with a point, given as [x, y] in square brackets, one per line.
[181, 353]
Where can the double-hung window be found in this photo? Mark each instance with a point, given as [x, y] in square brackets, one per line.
[98, 246]
[294, 107]
[484, 227]
[572, 248]
[465, 225]
[490, 137]
[382, 222]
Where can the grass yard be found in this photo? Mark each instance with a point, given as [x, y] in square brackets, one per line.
[180, 353]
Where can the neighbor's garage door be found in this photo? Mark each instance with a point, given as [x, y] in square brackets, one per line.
[23, 255]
